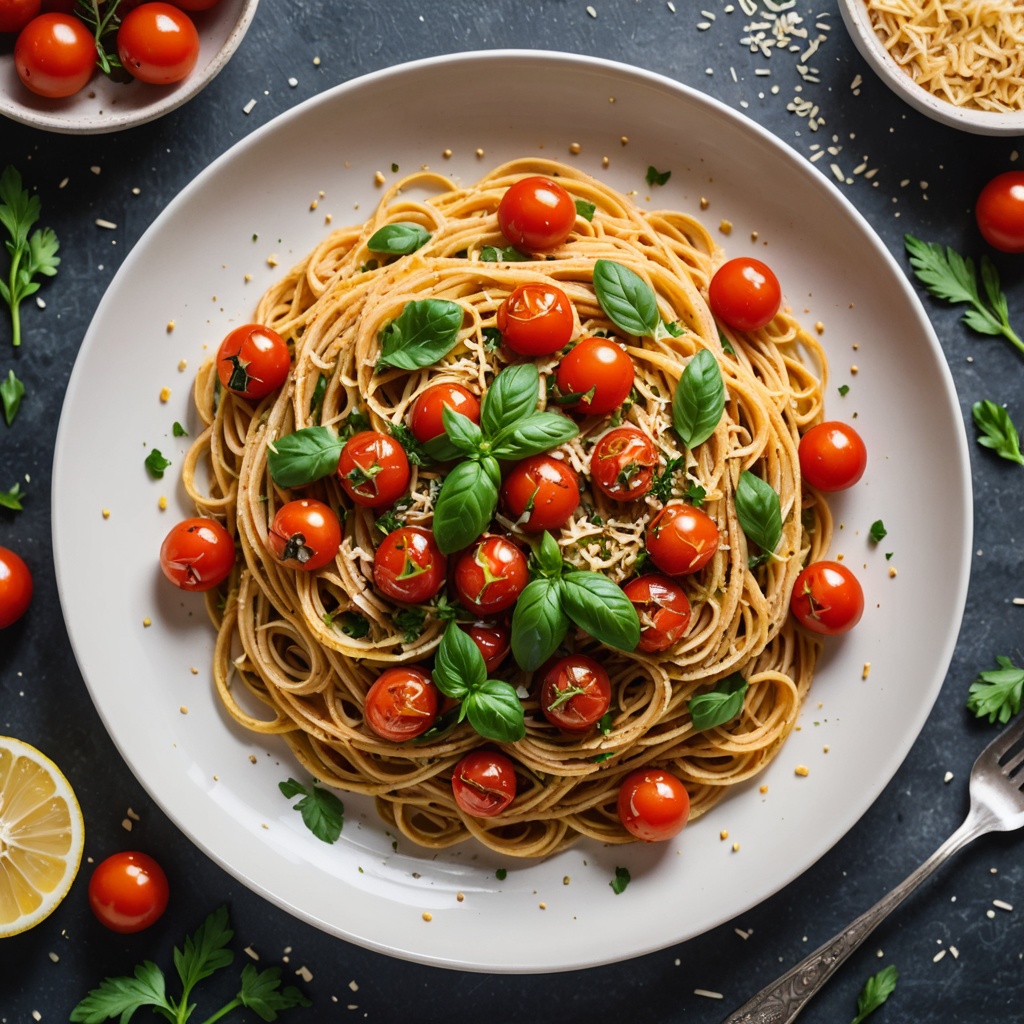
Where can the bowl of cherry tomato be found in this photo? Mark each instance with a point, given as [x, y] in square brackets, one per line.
[87, 67]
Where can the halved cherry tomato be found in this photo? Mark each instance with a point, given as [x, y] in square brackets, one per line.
[623, 462]
[490, 576]
[16, 14]
[536, 213]
[744, 294]
[832, 456]
[425, 418]
[494, 643]
[484, 783]
[682, 539]
[198, 554]
[15, 587]
[575, 693]
[55, 55]
[253, 361]
[541, 493]
[305, 534]
[128, 892]
[999, 212]
[536, 319]
[600, 372]
[653, 805]
[401, 704]
[827, 598]
[158, 43]
[373, 469]
[408, 566]
[663, 608]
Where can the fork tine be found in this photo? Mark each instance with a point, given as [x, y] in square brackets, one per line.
[1003, 745]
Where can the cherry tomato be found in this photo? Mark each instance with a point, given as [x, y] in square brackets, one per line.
[536, 319]
[832, 456]
[373, 469]
[536, 213]
[490, 576]
[575, 693]
[999, 212]
[494, 643]
[653, 804]
[55, 55]
[253, 361]
[198, 554]
[408, 566]
[16, 14]
[15, 587]
[744, 294]
[484, 783]
[541, 493]
[401, 704]
[663, 608]
[623, 462]
[425, 419]
[305, 534]
[827, 598]
[158, 43]
[128, 892]
[682, 539]
[600, 372]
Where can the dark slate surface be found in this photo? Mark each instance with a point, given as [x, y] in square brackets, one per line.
[927, 179]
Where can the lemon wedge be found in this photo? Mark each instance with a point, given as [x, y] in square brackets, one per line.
[41, 836]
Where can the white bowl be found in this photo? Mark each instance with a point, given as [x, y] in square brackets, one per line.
[108, 106]
[980, 122]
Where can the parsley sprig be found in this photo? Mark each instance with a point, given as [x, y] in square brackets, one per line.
[996, 694]
[876, 990]
[996, 430]
[202, 955]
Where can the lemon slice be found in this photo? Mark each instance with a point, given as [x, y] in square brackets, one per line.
[41, 836]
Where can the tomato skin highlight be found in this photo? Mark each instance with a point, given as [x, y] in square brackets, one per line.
[373, 469]
[253, 361]
[197, 554]
[744, 294]
[16, 14]
[833, 456]
[158, 43]
[408, 566]
[536, 214]
[55, 55]
[575, 693]
[598, 365]
[653, 805]
[999, 212]
[682, 539]
[15, 587]
[663, 608]
[536, 319]
[622, 463]
[128, 892]
[425, 418]
[401, 704]
[484, 783]
[305, 534]
[541, 493]
[490, 576]
[827, 598]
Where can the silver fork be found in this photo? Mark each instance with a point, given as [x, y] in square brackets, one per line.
[997, 805]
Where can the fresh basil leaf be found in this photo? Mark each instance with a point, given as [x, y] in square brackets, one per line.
[626, 299]
[322, 812]
[306, 455]
[549, 556]
[493, 254]
[597, 605]
[620, 880]
[539, 432]
[759, 512]
[720, 705]
[538, 623]
[466, 504]
[464, 435]
[656, 177]
[441, 449]
[316, 403]
[11, 392]
[495, 711]
[512, 396]
[878, 532]
[491, 338]
[156, 464]
[398, 239]
[699, 399]
[585, 210]
[458, 665]
[178, 430]
[423, 334]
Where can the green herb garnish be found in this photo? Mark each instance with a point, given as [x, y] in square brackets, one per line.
[760, 515]
[322, 812]
[699, 399]
[156, 464]
[878, 532]
[876, 990]
[421, 335]
[398, 239]
[997, 693]
[620, 880]
[11, 393]
[996, 430]
[720, 705]
[12, 498]
[656, 177]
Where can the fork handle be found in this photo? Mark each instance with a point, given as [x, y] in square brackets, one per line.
[785, 997]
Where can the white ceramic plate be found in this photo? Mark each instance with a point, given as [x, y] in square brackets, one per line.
[107, 106]
[220, 785]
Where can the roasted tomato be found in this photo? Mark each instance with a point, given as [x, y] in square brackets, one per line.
[1000, 212]
[653, 804]
[408, 566]
[682, 539]
[827, 598]
[541, 493]
[128, 892]
[536, 213]
[15, 587]
[253, 361]
[305, 534]
[832, 456]
[401, 704]
[490, 576]
[536, 319]
[494, 643]
[425, 418]
[484, 783]
[744, 294]
[55, 55]
[197, 554]
[158, 43]
[373, 469]
[663, 608]
[599, 372]
[623, 462]
[575, 693]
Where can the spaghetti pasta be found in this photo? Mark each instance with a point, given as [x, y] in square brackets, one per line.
[307, 646]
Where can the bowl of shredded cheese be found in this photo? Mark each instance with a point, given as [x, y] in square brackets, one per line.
[960, 62]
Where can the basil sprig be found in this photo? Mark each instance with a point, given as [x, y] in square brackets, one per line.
[699, 399]
[491, 706]
[398, 239]
[557, 597]
[720, 705]
[422, 334]
[760, 514]
[511, 427]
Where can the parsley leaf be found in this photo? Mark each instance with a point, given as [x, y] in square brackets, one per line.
[656, 177]
[997, 430]
[261, 991]
[11, 393]
[178, 430]
[878, 531]
[876, 990]
[156, 464]
[12, 499]
[121, 997]
[997, 693]
[322, 812]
